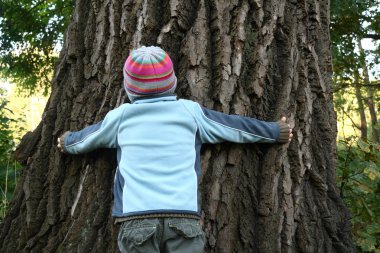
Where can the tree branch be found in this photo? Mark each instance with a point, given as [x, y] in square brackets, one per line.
[352, 121]
[372, 36]
[36, 5]
[347, 85]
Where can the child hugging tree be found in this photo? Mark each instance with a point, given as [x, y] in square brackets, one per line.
[158, 140]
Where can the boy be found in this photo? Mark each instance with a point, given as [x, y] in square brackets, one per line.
[158, 140]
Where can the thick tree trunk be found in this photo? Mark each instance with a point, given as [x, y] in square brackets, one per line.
[255, 58]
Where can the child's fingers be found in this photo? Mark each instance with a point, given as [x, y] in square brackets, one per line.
[290, 133]
[290, 137]
[283, 119]
[59, 145]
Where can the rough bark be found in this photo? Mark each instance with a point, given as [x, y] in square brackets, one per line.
[255, 58]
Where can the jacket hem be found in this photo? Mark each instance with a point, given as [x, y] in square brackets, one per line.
[157, 214]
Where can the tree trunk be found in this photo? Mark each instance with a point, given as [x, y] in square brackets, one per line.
[375, 137]
[359, 97]
[255, 58]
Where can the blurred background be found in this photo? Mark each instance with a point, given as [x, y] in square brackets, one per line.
[31, 36]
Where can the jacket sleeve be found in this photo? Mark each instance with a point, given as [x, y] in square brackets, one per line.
[100, 135]
[216, 127]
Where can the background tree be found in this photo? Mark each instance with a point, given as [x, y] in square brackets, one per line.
[255, 58]
[353, 21]
[357, 87]
[31, 34]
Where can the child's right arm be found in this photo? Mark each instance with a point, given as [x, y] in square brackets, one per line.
[216, 127]
[100, 135]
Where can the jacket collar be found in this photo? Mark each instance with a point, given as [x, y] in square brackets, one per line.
[155, 99]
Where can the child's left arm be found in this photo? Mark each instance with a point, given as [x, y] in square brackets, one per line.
[216, 127]
[100, 135]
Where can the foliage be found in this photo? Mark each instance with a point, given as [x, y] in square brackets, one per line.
[351, 21]
[9, 169]
[30, 32]
[27, 107]
[353, 65]
[346, 106]
[358, 177]
[358, 171]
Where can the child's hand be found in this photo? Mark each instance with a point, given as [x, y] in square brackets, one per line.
[283, 119]
[61, 141]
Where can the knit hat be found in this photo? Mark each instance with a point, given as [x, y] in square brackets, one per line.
[148, 71]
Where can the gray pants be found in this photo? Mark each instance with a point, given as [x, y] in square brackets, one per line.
[165, 235]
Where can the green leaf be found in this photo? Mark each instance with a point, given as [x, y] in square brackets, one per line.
[374, 229]
[364, 146]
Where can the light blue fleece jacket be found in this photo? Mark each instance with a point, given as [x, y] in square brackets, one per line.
[158, 144]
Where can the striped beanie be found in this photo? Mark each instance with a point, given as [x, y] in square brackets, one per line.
[148, 71]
